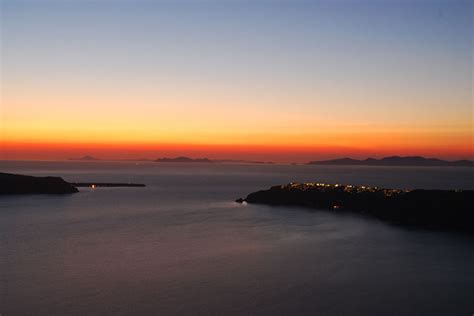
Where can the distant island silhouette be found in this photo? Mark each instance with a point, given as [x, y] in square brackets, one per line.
[207, 160]
[184, 159]
[85, 158]
[396, 161]
[244, 161]
[386, 161]
[174, 159]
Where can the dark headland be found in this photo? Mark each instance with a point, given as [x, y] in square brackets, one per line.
[396, 161]
[438, 209]
[21, 184]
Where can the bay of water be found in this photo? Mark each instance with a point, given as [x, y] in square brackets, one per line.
[182, 246]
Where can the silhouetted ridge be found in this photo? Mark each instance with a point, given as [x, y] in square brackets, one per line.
[85, 158]
[183, 159]
[396, 161]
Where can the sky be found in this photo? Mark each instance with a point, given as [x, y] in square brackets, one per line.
[285, 81]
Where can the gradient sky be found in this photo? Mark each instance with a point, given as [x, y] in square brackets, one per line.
[273, 80]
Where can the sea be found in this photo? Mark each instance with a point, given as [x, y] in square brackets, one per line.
[182, 246]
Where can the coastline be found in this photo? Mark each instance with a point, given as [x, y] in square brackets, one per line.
[436, 209]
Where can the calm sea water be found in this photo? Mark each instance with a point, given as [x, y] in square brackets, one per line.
[182, 246]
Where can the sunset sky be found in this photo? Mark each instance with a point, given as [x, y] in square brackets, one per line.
[269, 80]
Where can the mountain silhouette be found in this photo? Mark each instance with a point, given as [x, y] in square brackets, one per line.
[86, 158]
[396, 161]
[183, 159]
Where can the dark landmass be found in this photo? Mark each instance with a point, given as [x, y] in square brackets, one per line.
[396, 161]
[19, 184]
[90, 158]
[105, 184]
[244, 161]
[206, 160]
[85, 158]
[439, 209]
[183, 159]
[134, 159]
[176, 159]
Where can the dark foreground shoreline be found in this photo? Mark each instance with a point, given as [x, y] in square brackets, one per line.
[21, 184]
[437, 209]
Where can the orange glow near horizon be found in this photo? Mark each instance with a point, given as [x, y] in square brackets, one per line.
[280, 138]
[263, 152]
[210, 124]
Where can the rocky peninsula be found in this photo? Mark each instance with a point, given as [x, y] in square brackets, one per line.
[439, 209]
[20, 184]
